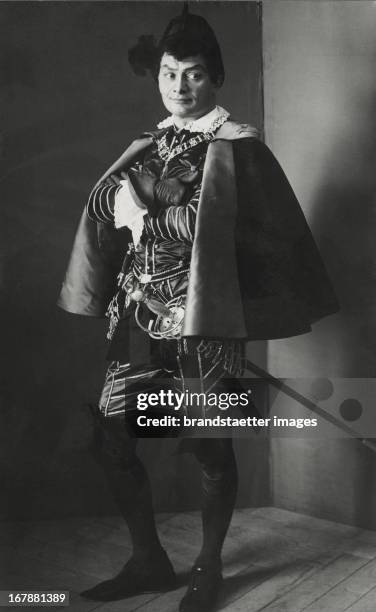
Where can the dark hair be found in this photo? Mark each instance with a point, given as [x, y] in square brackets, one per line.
[182, 46]
[185, 36]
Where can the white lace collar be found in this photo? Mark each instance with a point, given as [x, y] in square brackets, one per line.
[207, 123]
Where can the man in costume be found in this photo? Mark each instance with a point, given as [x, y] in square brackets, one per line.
[192, 243]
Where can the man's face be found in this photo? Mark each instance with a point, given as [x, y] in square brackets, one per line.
[185, 86]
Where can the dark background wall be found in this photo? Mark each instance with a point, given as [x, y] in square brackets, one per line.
[71, 105]
[320, 110]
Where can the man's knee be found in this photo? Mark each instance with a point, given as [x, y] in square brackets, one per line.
[215, 454]
[112, 446]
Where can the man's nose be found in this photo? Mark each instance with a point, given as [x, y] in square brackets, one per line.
[180, 84]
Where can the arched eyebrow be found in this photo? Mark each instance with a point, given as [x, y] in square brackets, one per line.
[195, 67]
[168, 67]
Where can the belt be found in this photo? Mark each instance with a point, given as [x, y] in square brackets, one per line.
[145, 278]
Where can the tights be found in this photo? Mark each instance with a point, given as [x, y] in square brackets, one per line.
[115, 450]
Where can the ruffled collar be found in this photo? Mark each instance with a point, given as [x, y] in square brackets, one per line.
[207, 123]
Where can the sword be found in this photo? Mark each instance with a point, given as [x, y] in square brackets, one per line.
[307, 403]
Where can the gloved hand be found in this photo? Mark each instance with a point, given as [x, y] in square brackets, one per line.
[142, 185]
[156, 194]
[171, 192]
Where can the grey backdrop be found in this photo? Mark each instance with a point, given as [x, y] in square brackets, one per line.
[72, 104]
[320, 103]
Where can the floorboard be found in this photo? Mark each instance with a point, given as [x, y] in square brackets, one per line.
[274, 561]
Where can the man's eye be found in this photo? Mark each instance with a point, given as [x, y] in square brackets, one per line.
[195, 76]
[169, 75]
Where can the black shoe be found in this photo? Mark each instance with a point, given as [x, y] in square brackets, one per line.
[135, 578]
[203, 589]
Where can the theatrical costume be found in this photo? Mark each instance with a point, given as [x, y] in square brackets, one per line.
[238, 255]
[192, 244]
[158, 270]
[155, 273]
[234, 256]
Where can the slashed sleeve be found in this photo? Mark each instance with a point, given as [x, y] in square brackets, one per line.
[101, 203]
[175, 222]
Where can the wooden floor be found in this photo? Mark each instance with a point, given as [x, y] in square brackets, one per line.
[273, 560]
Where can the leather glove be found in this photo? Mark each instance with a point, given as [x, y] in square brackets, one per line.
[170, 192]
[142, 188]
[157, 194]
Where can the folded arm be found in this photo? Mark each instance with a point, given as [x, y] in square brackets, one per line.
[175, 222]
[115, 205]
[101, 203]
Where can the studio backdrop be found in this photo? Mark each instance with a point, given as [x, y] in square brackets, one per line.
[71, 106]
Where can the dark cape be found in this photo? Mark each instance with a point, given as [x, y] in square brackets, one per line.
[256, 272]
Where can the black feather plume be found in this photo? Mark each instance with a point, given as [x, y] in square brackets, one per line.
[144, 55]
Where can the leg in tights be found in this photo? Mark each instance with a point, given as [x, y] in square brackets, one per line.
[129, 483]
[149, 568]
[219, 488]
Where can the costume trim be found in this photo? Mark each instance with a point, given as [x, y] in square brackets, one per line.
[167, 153]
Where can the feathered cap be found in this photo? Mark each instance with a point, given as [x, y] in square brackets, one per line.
[185, 35]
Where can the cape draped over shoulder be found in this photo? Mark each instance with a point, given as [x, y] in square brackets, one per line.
[256, 272]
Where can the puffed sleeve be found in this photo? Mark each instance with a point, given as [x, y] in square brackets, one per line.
[101, 203]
